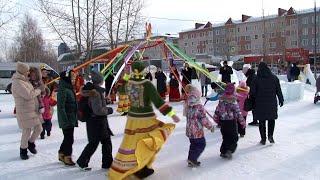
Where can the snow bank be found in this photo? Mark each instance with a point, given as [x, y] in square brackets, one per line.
[293, 91]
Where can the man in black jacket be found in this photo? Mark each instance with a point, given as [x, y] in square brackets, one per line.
[98, 130]
[294, 72]
[226, 72]
[264, 91]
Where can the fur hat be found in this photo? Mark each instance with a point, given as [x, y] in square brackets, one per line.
[66, 76]
[96, 77]
[22, 68]
[230, 89]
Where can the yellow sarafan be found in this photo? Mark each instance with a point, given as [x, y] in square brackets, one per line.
[143, 139]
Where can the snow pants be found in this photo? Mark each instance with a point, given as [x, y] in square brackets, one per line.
[229, 131]
[196, 148]
[27, 136]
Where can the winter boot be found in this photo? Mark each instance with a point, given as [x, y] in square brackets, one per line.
[68, 161]
[262, 130]
[271, 124]
[48, 133]
[24, 154]
[83, 167]
[254, 123]
[61, 157]
[271, 140]
[263, 142]
[144, 172]
[193, 163]
[32, 148]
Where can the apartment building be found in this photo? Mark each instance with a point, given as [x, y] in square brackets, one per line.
[275, 36]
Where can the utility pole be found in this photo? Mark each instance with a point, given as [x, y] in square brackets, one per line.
[315, 40]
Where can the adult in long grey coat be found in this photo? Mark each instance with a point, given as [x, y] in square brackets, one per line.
[204, 81]
[264, 91]
[27, 105]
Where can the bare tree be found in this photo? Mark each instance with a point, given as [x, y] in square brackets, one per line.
[7, 13]
[89, 22]
[30, 46]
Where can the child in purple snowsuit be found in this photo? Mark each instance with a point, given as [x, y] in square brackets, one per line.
[196, 120]
[227, 115]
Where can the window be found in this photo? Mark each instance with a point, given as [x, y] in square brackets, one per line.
[255, 27]
[222, 40]
[272, 35]
[247, 38]
[293, 21]
[217, 41]
[273, 44]
[305, 31]
[192, 51]
[217, 32]
[272, 25]
[238, 29]
[186, 44]
[232, 49]
[5, 74]
[256, 36]
[192, 43]
[305, 42]
[246, 28]
[305, 20]
[313, 42]
[189, 36]
[217, 49]
[248, 47]
[294, 43]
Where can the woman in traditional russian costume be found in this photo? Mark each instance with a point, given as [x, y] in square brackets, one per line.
[144, 134]
[174, 92]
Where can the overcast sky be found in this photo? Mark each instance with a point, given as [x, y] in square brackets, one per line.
[215, 11]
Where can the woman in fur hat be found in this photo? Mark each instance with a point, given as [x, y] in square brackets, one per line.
[27, 109]
[144, 134]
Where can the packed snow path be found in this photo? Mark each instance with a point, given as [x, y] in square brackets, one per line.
[296, 154]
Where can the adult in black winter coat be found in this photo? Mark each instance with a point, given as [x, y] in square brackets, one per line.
[226, 72]
[98, 130]
[186, 74]
[251, 76]
[161, 82]
[264, 91]
[294, 72]
[108, 83]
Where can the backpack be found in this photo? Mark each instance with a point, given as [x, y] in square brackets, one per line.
[84, 110]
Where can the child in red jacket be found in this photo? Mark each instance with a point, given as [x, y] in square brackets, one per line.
[48, 102]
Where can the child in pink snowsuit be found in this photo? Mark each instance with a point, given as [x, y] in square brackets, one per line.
[242, 94]
[48, 102]
[196, 121]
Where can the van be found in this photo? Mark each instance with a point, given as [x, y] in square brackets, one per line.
[8, 69]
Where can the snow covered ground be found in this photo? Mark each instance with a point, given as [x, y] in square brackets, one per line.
[296, 154]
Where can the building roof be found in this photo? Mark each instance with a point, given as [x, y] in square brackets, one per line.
[290, 11]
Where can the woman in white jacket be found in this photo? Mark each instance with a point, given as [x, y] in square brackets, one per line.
[25, 97]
